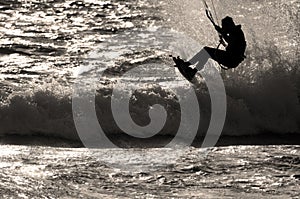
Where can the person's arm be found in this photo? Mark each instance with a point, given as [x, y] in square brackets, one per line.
[221, 31]
[218, 28]
[223, 36]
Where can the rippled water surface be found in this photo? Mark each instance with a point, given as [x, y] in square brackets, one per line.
[227, 172]
[42, 42]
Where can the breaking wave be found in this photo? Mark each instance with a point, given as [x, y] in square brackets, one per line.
[258, 101]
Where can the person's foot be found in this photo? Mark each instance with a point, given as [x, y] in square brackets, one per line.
[189, 72]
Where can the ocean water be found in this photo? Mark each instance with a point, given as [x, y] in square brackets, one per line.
[228, 172]
[46, 46]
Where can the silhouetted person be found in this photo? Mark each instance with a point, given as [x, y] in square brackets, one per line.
[230, 58]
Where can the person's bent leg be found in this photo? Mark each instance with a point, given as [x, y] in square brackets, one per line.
[200, 59]
[220, 56]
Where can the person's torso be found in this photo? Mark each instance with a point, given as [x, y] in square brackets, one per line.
[237, 43]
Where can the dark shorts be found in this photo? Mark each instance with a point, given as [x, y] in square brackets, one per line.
[223, 57]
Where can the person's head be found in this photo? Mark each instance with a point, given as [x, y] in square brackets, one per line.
[227, 23]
